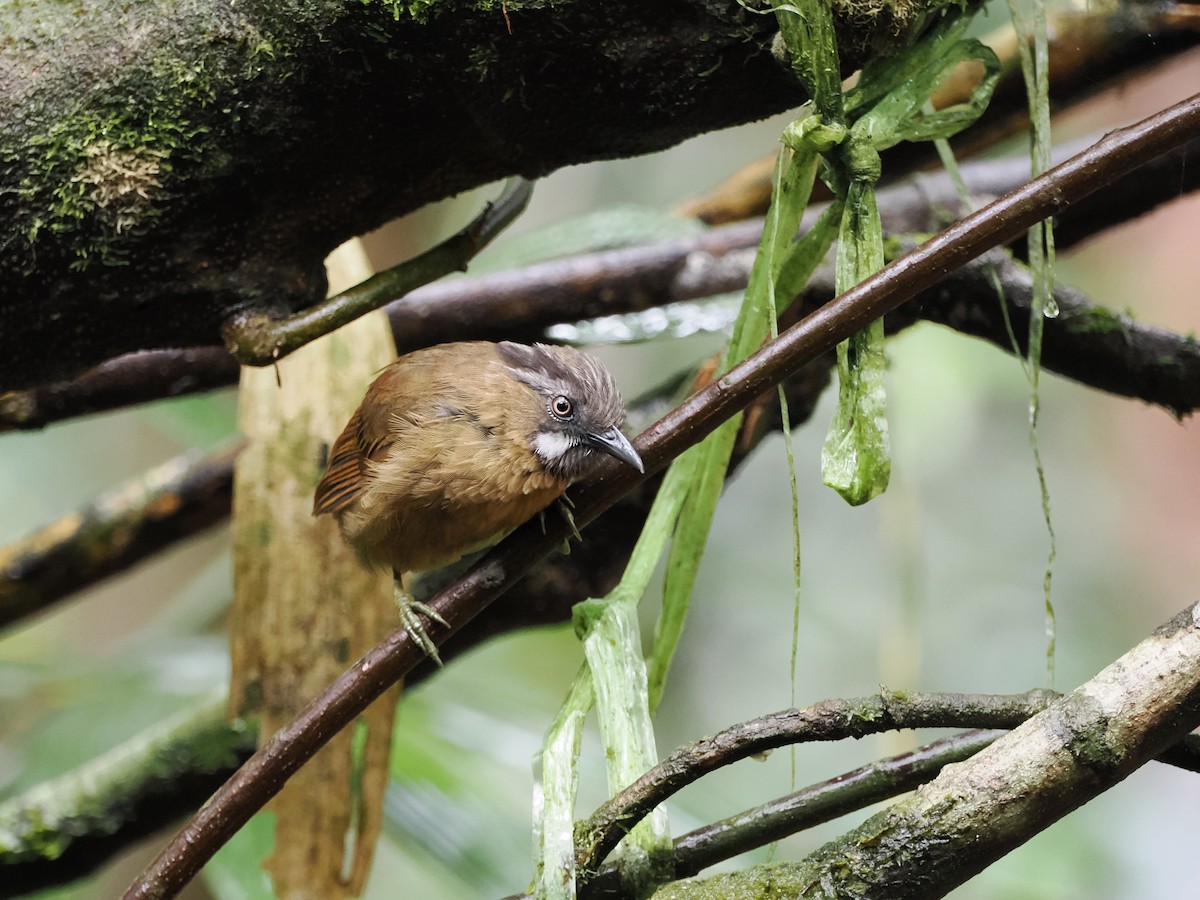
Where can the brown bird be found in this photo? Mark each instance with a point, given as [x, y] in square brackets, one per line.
[456, 445]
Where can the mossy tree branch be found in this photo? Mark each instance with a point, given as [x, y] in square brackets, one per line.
[60, 830]
[168, 165]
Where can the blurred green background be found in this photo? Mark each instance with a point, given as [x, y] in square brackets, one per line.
[937, 585]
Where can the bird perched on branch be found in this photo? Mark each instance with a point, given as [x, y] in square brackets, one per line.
[456, 445]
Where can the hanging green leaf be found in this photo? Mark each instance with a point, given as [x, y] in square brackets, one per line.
[856, 458]
[887, 106]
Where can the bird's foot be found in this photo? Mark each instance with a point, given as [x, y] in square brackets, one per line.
[411, 611]
[564, 506]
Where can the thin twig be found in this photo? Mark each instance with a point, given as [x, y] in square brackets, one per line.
[830, 720]
[822, 802]
[260, 338]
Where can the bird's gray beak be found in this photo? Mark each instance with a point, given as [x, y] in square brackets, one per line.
[615, 444]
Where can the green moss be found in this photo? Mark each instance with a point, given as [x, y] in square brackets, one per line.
[99, 172]
[866, 712]
[900, 14]
[95, 798]
[96, 168]
[418, 10]
[96, 175]
[424, 10]
[1098, 320]
[263, 534]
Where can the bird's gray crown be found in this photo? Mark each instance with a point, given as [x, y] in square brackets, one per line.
[566, 446]
[552, 370]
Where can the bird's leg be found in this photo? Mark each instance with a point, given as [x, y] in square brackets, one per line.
[411, 610]
[565, 506]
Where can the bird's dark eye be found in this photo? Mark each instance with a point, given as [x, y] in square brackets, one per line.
[562, 407]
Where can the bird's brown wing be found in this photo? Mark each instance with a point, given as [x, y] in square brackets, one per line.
[431, 383]
[342, 481]
[365, 439]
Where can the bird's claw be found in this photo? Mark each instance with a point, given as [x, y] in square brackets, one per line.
[410, 617]
[564, 506]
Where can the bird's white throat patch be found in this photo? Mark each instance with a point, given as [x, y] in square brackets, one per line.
[551, 446]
